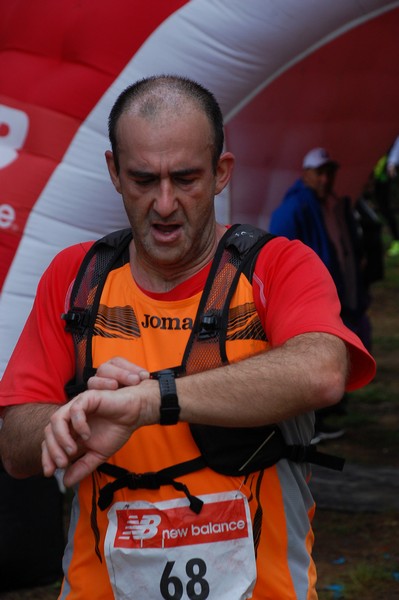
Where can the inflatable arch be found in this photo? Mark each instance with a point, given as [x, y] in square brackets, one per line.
[289, 75]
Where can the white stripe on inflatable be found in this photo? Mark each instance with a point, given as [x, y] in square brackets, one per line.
[236, 48]
[367, 12]
[232, 47]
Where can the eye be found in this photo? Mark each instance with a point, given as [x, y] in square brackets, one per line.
[144, 182]
[184, 179]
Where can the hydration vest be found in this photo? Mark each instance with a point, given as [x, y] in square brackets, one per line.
[234, 451]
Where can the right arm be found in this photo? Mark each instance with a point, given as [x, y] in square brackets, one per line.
[23, 426]
[21, 437]
[32, 387]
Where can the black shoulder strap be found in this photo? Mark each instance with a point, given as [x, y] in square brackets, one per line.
[85, 297]
[235, 254]
[239, 246]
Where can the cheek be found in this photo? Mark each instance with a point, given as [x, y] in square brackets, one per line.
[134, 209]
[200, 211]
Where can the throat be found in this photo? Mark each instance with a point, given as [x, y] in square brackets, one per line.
[152, 281]
[160, 277]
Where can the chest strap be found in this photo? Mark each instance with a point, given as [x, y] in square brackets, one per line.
[149, 481]
[271, 450]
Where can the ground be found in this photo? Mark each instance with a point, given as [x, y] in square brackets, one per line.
[357, 553]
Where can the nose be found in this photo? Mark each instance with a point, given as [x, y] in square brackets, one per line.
[165, 202]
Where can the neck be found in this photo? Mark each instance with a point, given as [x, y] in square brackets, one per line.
[163, 278]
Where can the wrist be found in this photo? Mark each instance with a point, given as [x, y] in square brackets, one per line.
[169, 409]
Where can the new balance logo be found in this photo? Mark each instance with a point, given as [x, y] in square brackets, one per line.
[175, 526]
[140, 529]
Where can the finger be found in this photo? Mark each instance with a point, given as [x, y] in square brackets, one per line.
[53, 455]
[102, 383]
[83, 467]
[123, 363]
[123, 370]
[79, 419]
[48, 465]
[59, 436]
[112, 378]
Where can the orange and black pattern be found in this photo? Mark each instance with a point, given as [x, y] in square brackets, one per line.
[116, 322]
[244, 323]
[121, 322]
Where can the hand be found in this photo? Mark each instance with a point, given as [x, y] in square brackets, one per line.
[115, 373]
[93, 426]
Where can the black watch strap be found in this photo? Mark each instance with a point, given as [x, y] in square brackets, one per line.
[169, 409]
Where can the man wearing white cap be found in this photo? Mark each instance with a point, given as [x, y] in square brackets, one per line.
[311, 212]
[300, 216]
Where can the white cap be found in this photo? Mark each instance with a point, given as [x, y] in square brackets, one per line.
[317, 158]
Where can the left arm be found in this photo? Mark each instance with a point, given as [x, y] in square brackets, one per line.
[307, 372]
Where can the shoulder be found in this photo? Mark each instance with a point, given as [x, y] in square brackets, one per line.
[72, 254]
[291, 278]
[59, 276]
[67, 261]
[282, 255]
[286, 270]
[295, 294]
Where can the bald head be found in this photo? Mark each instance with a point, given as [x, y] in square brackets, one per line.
[167, 97]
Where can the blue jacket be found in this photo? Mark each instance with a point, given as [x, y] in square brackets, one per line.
[300, 217]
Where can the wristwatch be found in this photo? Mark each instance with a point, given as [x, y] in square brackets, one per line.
[169, 409]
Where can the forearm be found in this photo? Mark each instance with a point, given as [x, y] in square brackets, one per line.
[21, 438]
[307, 373]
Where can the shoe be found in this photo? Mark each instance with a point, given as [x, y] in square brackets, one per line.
[393, 249]
[326, 432]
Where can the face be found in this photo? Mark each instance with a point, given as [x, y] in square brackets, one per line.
[320, 180]
[168, 186]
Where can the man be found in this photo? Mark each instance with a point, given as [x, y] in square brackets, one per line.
[313, 213]
[253, 536]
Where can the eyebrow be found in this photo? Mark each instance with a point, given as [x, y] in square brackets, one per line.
[179, 173]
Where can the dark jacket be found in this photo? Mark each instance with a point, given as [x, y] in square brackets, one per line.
[300, 217]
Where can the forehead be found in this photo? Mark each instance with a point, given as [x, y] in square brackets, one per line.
[165, 131]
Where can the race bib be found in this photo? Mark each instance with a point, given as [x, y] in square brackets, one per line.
[164, 550]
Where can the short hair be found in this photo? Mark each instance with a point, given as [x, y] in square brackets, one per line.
[144, 90]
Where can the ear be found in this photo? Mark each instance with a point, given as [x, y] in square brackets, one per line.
[109, 157]
[224, 171]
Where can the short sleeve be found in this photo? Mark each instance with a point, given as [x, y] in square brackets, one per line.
[295, 294]
[43, 359]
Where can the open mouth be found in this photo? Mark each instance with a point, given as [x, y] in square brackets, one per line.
[166, 232]
[166, 228]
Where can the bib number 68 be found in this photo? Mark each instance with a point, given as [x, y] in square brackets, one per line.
[197, 587]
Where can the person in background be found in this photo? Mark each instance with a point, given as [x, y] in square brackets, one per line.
[288, 353]
[313, 213]
[385, 172]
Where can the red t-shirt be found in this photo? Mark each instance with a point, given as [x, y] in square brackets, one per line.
[293, 293]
